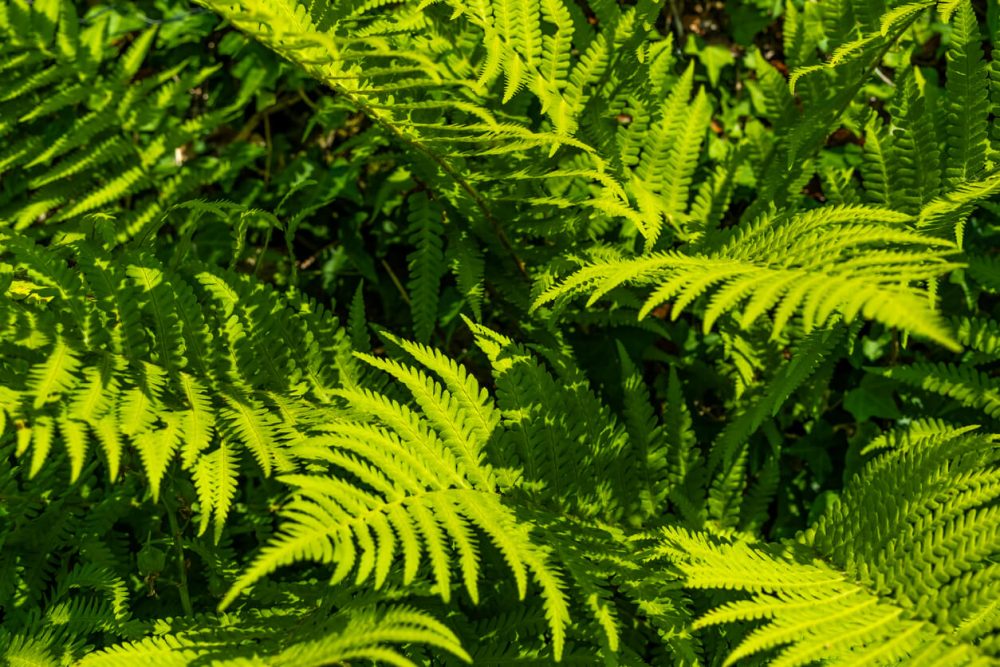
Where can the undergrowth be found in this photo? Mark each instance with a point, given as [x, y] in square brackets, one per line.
[499, 331]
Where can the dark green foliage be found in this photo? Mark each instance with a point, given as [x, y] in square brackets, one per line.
[698, 314]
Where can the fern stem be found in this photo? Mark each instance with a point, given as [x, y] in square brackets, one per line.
[269, 146]
[305, 98]
[397, 283]
[182, 583]
[675, 15]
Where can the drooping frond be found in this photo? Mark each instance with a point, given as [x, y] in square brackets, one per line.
[817, 266]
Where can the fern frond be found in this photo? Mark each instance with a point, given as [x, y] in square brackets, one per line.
[805, 359]
[967, 100]
[106, 373]
[771, 268]
[468, 266]
[948, 212]
[843, 591]
[87, 130]
[426, 264]
[915, 145]
[915, 434]
[966, 385]
[424, 490]
[662, 453]
[566, 460]
[364, 634]
[878, 28]
[55, 376]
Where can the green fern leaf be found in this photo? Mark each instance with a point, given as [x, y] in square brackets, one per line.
[426, 264]
[757, 268]
[844, 592]
[425, 485]
[967, 100]
[966, 385]
[55, 376]
[157, 447]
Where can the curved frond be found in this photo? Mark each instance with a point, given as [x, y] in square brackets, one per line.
[814, 266]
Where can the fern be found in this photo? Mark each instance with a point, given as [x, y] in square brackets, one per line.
[71, 105]
[426, 265]
[768, 259]
[968, 104]
[358, 634]
[844, 591]
[755, 440]
[430, 487]
[963, 382]
[441, 134]
[140, 365]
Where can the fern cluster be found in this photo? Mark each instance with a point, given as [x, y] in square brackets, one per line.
[693, 363]
[71, 115]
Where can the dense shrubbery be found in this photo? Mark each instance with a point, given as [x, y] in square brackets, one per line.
[499, 330]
